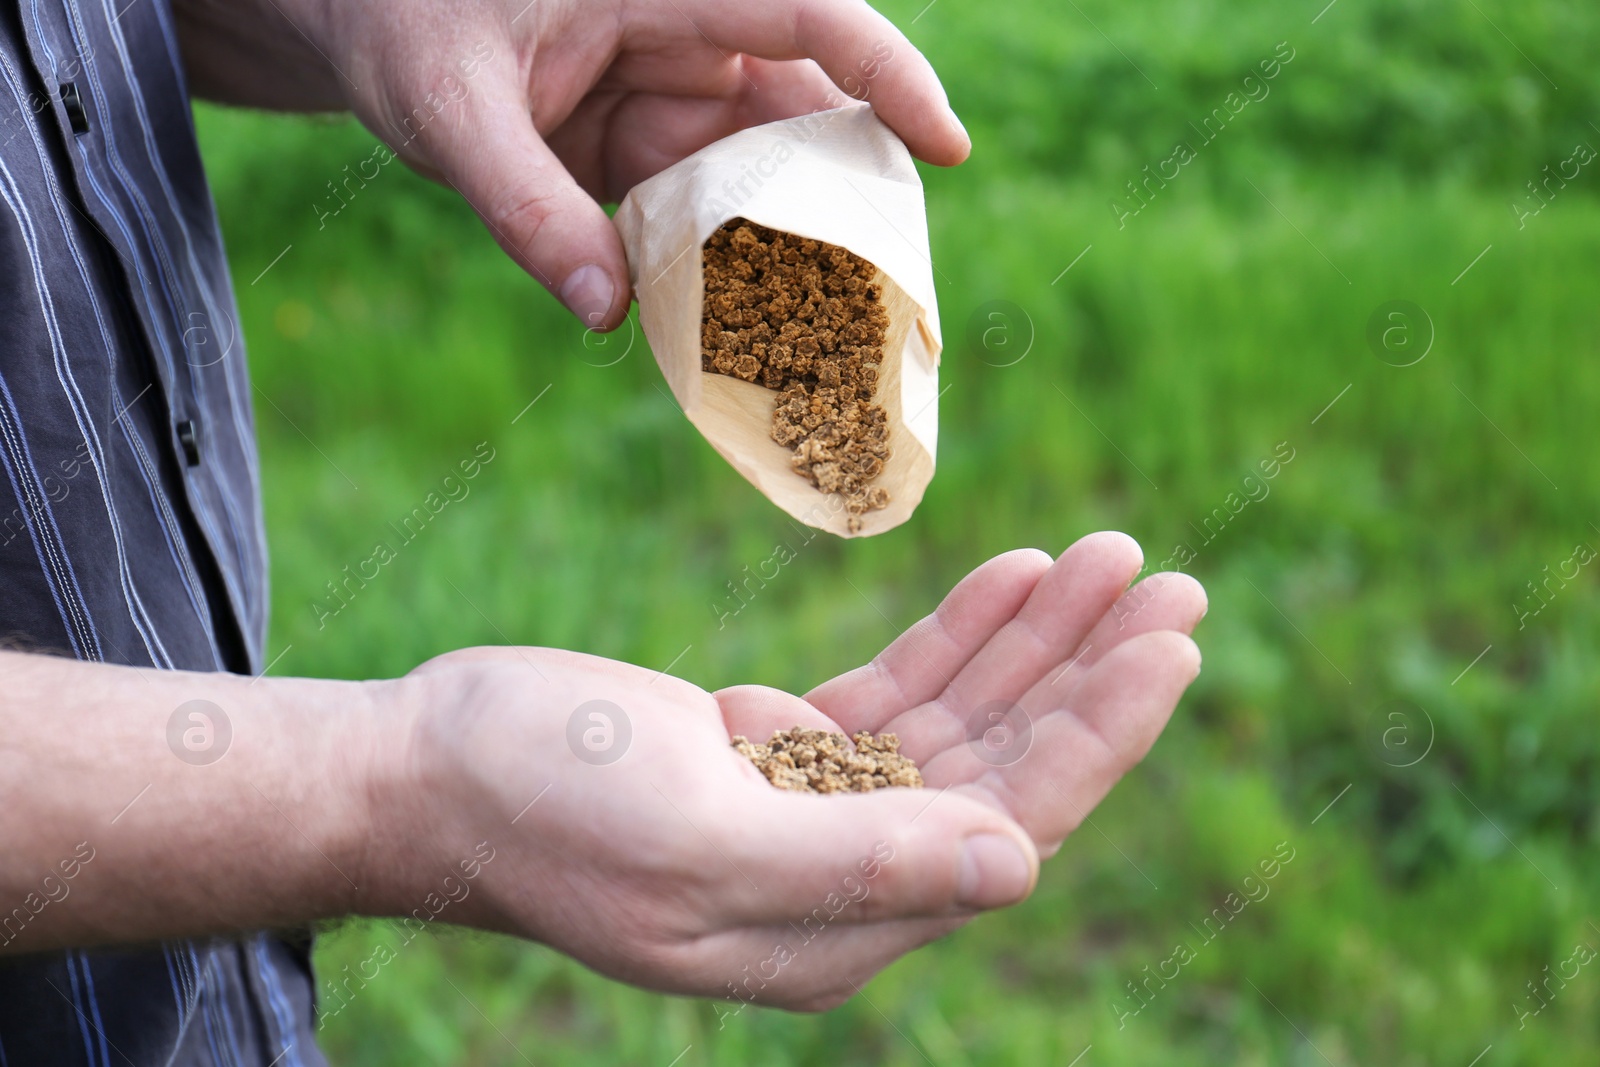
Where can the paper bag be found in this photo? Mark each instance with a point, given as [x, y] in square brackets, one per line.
[838, 176]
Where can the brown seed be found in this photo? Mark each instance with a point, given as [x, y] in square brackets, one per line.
[816, 761]
[799, 317]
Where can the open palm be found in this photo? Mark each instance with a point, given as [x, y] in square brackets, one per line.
[675, 865]
[1032, 688]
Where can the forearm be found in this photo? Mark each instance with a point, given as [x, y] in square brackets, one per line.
[257, 53]
[121, 823]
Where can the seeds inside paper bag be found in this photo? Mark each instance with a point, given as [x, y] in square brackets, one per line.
[804, 318]
[815, 761]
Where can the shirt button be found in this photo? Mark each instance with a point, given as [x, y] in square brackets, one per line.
[189, 438]
[73, 102]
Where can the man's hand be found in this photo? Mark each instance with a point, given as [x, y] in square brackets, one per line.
[673, 865]
[539, 110]
[679, 868]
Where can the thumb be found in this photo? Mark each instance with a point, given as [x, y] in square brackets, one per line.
[957, 852]
[896, 853]
[494, 157]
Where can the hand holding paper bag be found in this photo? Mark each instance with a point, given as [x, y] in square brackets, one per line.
[838, 176]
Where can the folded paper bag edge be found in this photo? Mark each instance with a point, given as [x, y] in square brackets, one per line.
[826, 134]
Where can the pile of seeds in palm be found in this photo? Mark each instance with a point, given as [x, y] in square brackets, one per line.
[804, 318]
[816, 761]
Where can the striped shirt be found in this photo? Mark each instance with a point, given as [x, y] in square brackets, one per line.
[130, 519]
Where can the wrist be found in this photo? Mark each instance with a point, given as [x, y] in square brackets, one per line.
[436, 820]
[385, 837]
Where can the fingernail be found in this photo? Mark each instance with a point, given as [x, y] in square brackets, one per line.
[588, 292]
[994, 872]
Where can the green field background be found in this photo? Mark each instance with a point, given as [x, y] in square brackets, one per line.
[1364, 648]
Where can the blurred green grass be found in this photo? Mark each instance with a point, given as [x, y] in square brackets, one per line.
[1179, 350]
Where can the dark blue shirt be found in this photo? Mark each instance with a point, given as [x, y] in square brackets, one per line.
[130, 519]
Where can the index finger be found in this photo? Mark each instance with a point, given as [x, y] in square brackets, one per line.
[859, 49]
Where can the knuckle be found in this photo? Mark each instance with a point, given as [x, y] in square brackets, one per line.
[520, 213]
